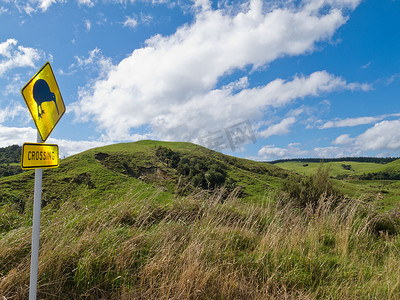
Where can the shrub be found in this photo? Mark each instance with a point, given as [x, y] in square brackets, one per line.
[346, 167]
[308, 190]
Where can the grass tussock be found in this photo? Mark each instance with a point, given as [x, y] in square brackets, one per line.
[147, 247]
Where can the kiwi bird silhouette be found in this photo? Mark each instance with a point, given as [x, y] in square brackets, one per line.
[42, 93]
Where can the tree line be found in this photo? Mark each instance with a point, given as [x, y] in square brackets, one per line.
[9, 157]
[383, 175]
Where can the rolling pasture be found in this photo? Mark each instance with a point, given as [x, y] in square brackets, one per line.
[157, 220]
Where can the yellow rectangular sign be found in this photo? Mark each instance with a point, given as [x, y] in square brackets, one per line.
[36, 156]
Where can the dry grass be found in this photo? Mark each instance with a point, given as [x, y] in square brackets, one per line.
[199, 247]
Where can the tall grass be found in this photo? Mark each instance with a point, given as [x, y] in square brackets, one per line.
[204, 247]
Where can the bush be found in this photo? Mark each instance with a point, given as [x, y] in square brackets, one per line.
[203, 173]
[346, 167]
[308, 190]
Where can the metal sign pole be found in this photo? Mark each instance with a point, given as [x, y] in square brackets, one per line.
[41, 89]
[36, 231]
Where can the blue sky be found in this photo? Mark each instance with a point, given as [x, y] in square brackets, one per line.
[311, 78]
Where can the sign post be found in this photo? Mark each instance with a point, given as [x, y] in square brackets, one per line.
[37, 201]
[46, 105]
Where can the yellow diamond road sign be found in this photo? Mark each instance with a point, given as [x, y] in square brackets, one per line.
[44, 100]
[36, 156]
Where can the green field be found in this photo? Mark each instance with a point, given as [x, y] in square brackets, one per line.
[337, 168]
[122, 222]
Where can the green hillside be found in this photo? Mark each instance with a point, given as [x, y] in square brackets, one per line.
[115, 169]
[158, 220]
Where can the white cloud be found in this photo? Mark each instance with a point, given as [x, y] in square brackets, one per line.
[13, 135]
[88, 3]
[68, 147]
[82, 61]
[3, 10]
[200, 113]
[88, 25]
[10, 112]
[365, 87]
[29, 9]
[6, 47]
[13, 56]
[318, 4]
[145, 18]
[278, 129]
[384, 135]
[343, 139]
[221, 106]
[393, 78]
[130, 22]
[270, 152]
[367, 65]
[329, 152]
[14, 87]
[237, 85]
[18, 136]
[171, 83]
[95, 62]
[45, 4]
[33, 6]
[351, 122]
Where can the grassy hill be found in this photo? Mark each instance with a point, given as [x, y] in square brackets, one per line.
[139, 221]
[117, 169]
[114, 168]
